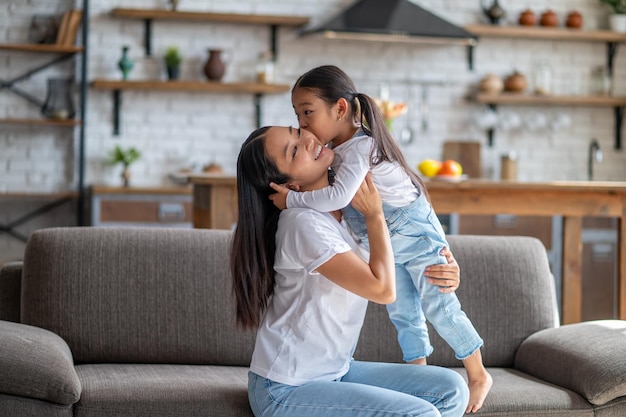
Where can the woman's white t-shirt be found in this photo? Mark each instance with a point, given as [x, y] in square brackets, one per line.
[312, 325]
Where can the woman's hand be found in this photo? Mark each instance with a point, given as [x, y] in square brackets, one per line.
[367, 200]
[446, 276]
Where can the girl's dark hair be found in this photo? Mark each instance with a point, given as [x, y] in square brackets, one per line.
[254, 246]
[330, 83]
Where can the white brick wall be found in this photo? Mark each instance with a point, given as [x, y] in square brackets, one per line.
[180, 129]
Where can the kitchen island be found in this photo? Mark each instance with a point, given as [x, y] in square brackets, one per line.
[215, 206]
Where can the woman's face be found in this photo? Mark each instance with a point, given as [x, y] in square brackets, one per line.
[315, 115]
[299, 154]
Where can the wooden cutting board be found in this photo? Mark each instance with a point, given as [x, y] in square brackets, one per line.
[467, 154]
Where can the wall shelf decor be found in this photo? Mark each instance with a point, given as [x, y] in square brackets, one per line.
[612, 40]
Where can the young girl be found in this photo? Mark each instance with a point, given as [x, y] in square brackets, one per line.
[302, 281]
[326, 103]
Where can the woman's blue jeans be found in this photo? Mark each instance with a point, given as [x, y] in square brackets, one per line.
[369, 389]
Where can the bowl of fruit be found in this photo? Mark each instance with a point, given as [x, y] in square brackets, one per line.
[448, 170]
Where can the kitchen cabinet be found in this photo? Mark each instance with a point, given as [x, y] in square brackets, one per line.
[64, 49]
[148, 16]
[610, 38]
[134, 206]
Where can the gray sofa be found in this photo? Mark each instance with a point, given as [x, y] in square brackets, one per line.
[140, 322]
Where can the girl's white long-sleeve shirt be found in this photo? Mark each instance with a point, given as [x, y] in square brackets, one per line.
[352, 162]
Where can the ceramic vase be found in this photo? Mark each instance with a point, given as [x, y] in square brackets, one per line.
[173, 73]
[125, 64]
[58, 103]
[617, 22]
[215, 67]
[126, 176]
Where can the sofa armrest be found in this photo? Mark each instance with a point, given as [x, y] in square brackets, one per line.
[10, 287]
[36, 363]
[588, 358]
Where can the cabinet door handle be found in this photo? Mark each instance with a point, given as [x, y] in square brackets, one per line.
[169, 212]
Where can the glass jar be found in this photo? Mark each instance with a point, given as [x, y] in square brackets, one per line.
[542, 78]
[601, 82]
[265, 68]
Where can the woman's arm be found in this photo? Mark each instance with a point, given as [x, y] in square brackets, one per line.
[376, 279]
[446, 276]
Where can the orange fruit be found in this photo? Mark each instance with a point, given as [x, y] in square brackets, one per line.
[450, 168]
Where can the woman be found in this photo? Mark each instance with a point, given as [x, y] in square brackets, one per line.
[302, 280]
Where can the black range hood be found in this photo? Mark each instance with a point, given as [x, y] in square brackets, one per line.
[392, 21]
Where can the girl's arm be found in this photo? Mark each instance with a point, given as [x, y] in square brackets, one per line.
[350, 173]
[376, 279]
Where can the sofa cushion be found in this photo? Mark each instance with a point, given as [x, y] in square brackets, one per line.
[13, 405]
[135, 295]
[163, 390]
[588, 358]
[517, 394]
[45, 373]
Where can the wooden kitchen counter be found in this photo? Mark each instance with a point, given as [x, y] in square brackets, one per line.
[215, 206]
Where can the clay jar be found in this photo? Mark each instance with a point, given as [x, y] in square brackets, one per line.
[549, 19]
[214, 68]
[527, 18]
[574, 20]
[491, 84]
[515, 83]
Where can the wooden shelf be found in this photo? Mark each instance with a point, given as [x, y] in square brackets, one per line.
[149, 15]
[530, 99]
[39, 48]
[618, 104]
[545, 33]
[117, 86]
[42, 122]
[163, 14]
[190, 86]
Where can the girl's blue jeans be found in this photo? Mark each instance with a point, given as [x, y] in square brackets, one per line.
[369, 389]
[417, 238]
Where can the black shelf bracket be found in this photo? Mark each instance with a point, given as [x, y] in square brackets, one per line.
[274, 41]
[470, 57]
[257, 109]
[147, 37]
[619, 118]
[116, 112]
[611, 50]
[491, 131]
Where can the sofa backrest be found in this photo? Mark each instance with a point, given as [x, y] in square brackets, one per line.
[164, 296]
[507, 291]
[135, 294]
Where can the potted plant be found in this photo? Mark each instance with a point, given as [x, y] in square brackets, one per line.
[125, 157]
[173, 59]
[617, 20]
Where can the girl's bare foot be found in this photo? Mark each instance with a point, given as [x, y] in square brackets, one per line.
[479, 381]
[419, 361]
[478, 388]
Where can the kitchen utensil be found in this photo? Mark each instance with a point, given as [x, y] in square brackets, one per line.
[424, 108]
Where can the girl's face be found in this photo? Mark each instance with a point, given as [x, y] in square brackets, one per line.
[299, 154]
[315, 115]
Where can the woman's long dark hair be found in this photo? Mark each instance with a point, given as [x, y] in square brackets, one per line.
[254, 245]
[330, 83]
